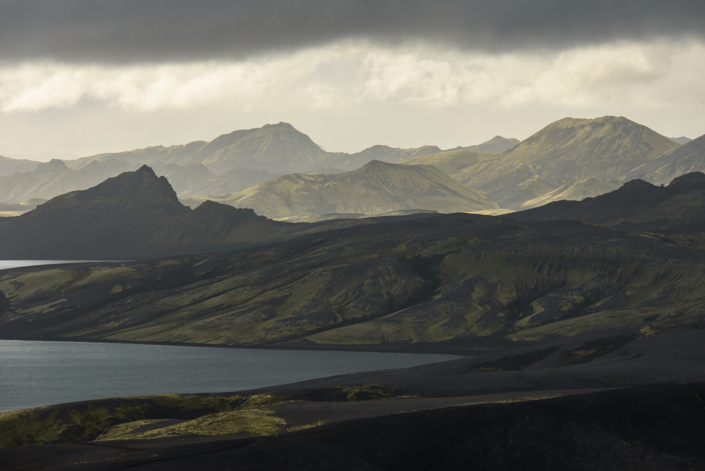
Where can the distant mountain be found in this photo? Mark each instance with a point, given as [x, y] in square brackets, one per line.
[636, 205]
[54, 178]
[375, 188]
[278, 148]
[588, 188]
[452, 162]
[225, 183]
[566, 151]
[681, 140]
[495, 145]
[273, 147]
[9, 166]
[380, 153]
[690, 157]
[133, 215]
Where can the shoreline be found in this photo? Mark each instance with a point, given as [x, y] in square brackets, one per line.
[323, 348]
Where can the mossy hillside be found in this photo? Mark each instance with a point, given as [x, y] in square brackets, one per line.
[534, 297]
[88, 420]
[168, 416]
[424, 280]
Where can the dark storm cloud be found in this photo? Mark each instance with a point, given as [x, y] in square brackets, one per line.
[147, 30]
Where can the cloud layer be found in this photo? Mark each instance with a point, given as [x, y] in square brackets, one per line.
[184, 30]
[665, 75]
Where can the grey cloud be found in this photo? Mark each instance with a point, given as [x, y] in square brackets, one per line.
[159, 30]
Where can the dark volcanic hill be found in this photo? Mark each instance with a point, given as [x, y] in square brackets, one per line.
[637, 205]
[133, 215]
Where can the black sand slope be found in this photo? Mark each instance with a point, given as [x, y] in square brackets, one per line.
[653, 427]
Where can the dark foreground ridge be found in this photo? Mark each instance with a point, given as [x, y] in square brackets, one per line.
[133, 215]
[636, 205]
[654, 427]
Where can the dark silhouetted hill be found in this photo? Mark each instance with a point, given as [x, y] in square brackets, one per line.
[133, 215]
[637, 204]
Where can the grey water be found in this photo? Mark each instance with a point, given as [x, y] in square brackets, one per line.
[7, 264]
[40, 373]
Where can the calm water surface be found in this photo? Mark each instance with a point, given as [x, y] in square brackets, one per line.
[5, 264]
[42, 373]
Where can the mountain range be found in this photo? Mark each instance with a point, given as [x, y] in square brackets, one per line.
[570, 159]
[273, 147]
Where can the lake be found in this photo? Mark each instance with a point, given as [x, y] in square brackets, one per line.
[6, 264]
[39, 373]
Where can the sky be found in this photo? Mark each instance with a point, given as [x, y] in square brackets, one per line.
[80, 77]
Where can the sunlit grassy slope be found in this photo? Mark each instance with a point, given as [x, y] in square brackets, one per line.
[375, 188]
[566, 151]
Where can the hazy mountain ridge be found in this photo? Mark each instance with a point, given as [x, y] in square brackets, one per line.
[8, 165]
[375, 188]
[528, 173]
[452, 162]
[273, 147]
[690, 157]
[496, 145]
[54, 178]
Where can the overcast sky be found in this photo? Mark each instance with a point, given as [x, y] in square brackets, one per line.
[90, 76]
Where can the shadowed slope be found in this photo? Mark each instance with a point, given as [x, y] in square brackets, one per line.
[423, 280]
[637, 204]
[132, 215]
